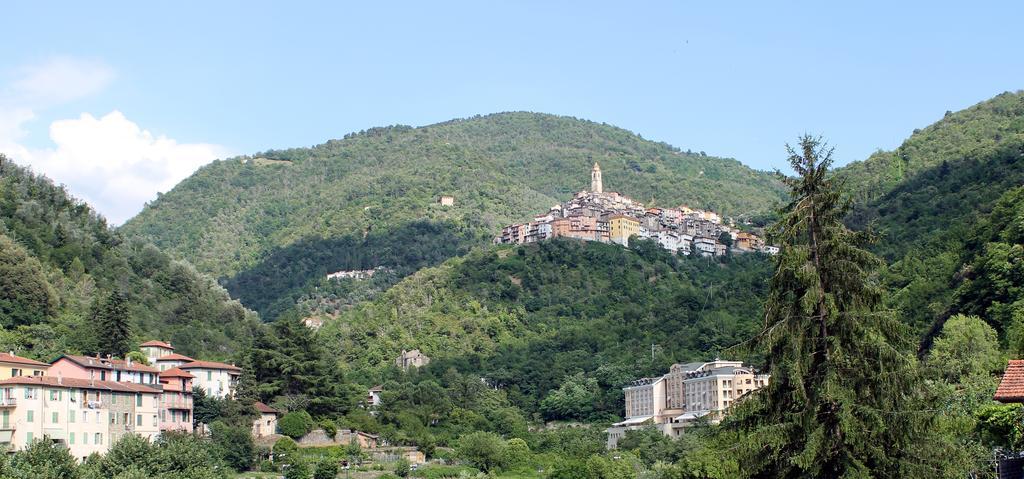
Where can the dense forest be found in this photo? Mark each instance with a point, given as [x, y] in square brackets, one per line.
[62, 269]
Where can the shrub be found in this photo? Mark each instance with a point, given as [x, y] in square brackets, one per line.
[326, 469]
[329, 427]
[297, 470]
[402, 468]
[295, 424]
[483, 450]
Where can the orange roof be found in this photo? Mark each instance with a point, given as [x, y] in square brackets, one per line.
[210, 365]
[104, 363]
[1011, 387]
[264, 409]
[175, 373]
[157, 344]
[174, 357]
[78, 383]
[12, 358]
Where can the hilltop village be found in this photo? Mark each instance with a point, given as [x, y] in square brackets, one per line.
[614, 218]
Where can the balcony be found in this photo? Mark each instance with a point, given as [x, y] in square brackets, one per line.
[8, 402]
[175, 403]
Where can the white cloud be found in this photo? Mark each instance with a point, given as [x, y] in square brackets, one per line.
[110, 161]
[59, 80]
[114, 164]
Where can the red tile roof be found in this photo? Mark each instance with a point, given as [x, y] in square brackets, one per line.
[12, 358]
[210, 365]
[264, 409]
[157, 344]
[78, 383]
[174, 357]
[175, 373]
[104, 363]
[1011, 387]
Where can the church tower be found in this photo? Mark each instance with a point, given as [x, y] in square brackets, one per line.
[595, 179]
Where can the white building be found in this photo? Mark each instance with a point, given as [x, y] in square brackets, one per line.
[217, 379]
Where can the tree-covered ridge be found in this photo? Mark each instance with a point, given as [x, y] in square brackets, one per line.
[60, 265]
[500, 168]
[975, 132]
[528, 318]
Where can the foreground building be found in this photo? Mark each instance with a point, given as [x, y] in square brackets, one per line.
[83, 415]
[688, 393]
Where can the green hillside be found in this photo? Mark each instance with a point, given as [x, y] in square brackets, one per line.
[237, 215]
[527, 317]
[59, 261]
[933, 200]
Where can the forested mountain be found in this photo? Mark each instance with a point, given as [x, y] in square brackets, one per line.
[235, 218]
[934, 201]
[528, 317]
[62, 269]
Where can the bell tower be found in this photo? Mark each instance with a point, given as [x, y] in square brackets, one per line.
[596, 185]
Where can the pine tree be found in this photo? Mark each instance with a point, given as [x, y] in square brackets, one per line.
[115, 329]
[843, 377]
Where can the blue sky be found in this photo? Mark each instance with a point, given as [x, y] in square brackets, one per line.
[121, 100]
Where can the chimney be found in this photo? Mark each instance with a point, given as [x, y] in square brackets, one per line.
[60, 378]
[128, 361]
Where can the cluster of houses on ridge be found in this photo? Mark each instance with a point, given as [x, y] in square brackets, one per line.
[613, 218]
[689, 392]
[87, 403]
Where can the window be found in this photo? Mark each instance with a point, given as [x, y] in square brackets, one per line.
[54, 417]
[99, 438]
[209, 375]
[138, 400]
[98, 418]
[85, 438]
[71, 438]
[30, 416]
[15, 372]
[30, 393]
[127, 420]
[113, 398]
[53, 394]
[138, 419]
[154, 420]
[103, 375]
[113, 418]
[71, 415]
[37, 373]
[28, 437]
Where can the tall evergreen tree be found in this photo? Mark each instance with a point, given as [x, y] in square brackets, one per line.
[843, 378]
[115, 328]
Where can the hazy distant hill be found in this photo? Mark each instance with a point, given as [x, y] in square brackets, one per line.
[240, 215]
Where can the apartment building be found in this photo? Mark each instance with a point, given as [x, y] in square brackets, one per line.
[12, 366]
[687, 393]
[171, 361]
[86, 416]
[265, 423]
[155, 350]
[621, 227]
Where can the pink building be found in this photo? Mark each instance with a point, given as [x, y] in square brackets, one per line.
[103, 369]
[176, 401]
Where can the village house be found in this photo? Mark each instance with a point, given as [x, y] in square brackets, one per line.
[266, 423]
[365, 440]
[621, 227]
[12, 366]
[217, 379]
[447, 200]
[154, 350]
[373, 396]
[176, 400]
[412, 359]
[171, 361]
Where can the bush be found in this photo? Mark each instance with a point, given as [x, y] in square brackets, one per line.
[329, 427]
[267, 466]
[402, 468]
[295, 424]
[326, 469]
[234, 444]
[483, 450]
[297, 470]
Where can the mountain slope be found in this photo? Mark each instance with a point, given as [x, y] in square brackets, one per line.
[528, 316]
[58, 258]
[932, 199]
[505, 167]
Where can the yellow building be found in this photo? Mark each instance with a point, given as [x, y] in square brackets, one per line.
[621, 227]
[13, 366]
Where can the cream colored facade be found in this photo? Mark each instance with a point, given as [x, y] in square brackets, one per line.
[12, 366]
[84, 416]
[217, 379]
[688, 392]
